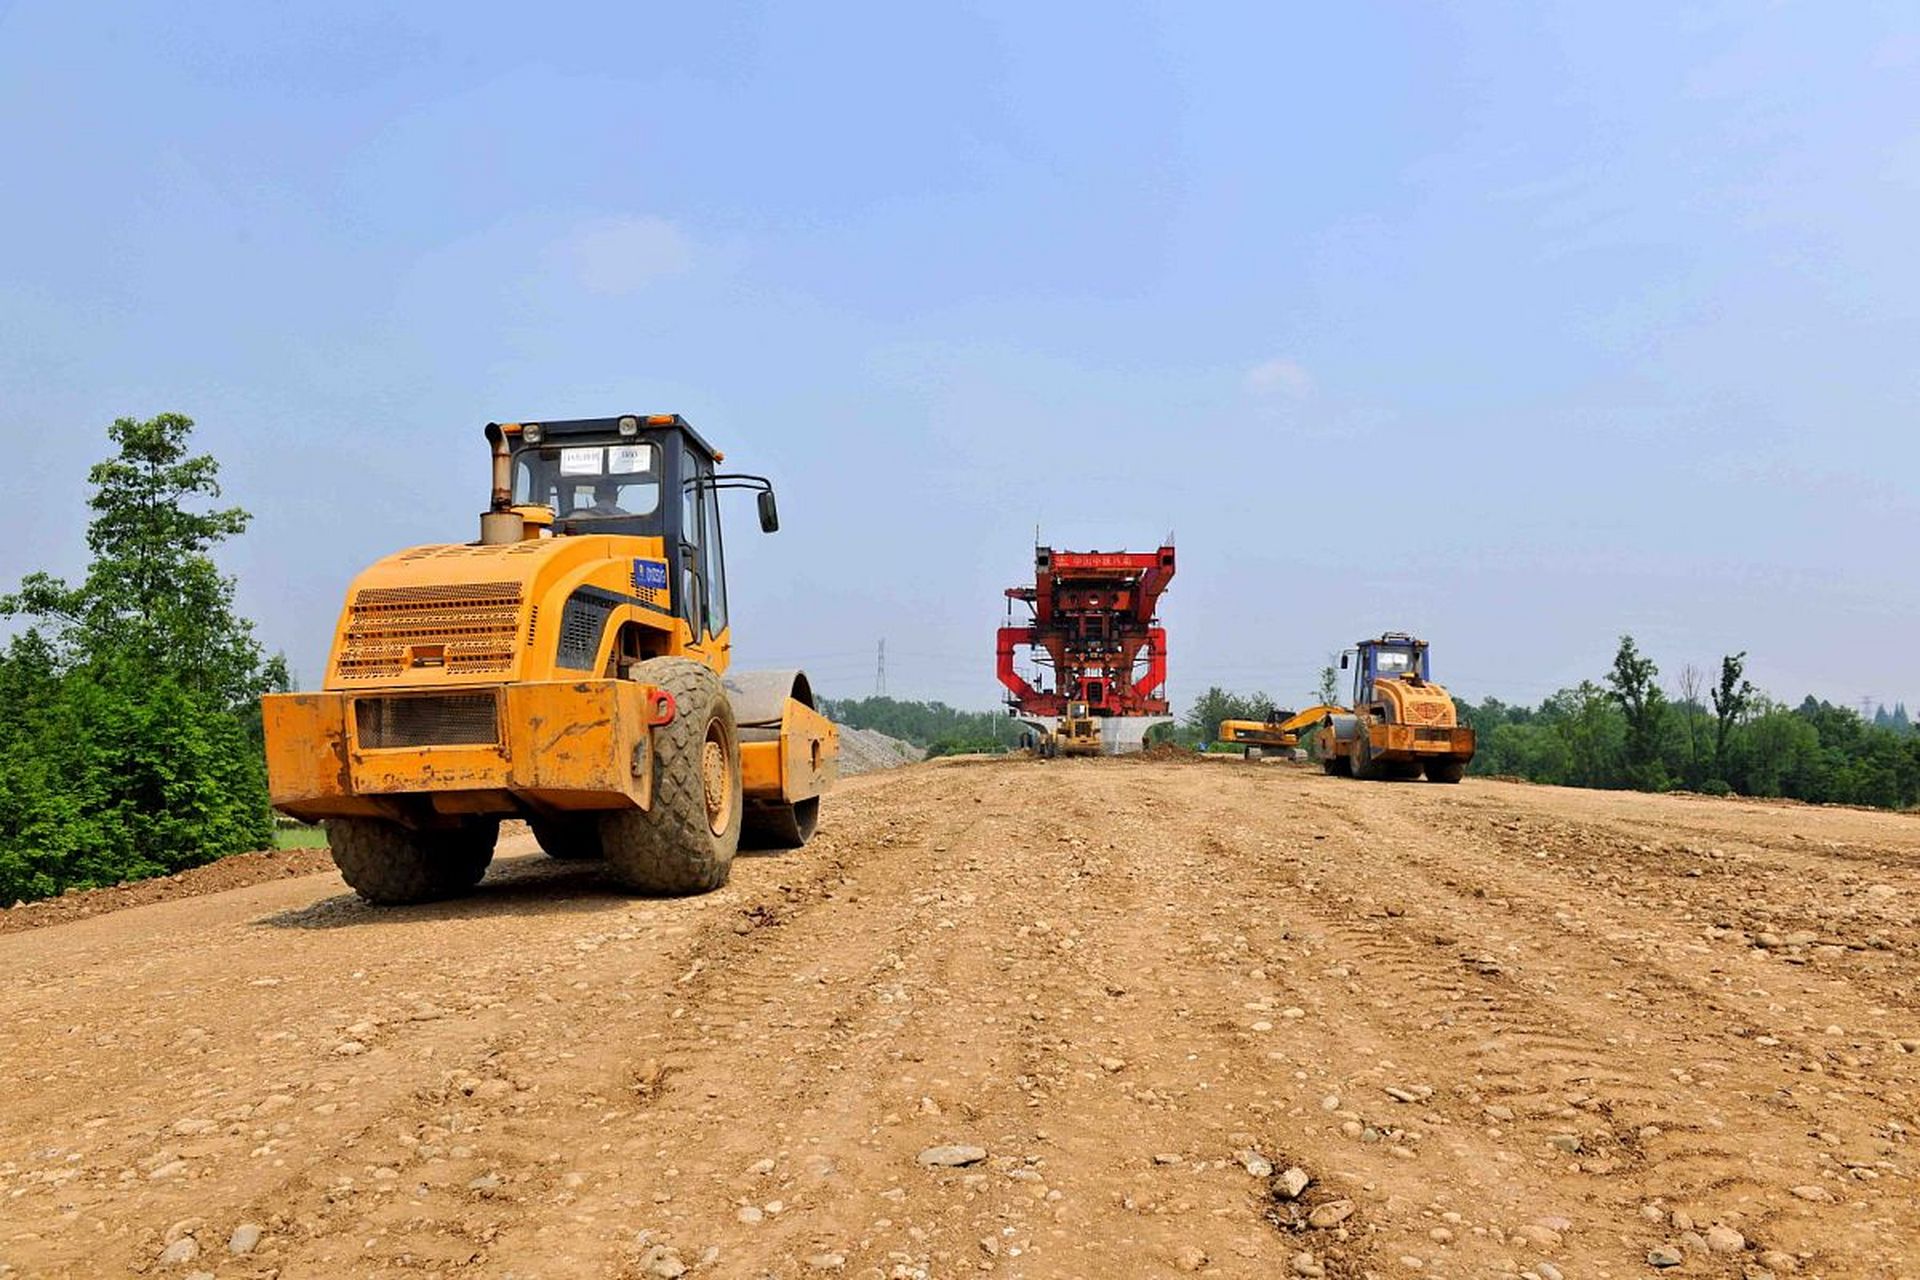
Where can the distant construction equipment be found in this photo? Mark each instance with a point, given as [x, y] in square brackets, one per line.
[1401, 723]
[1077, 734]
[1399, 726]
[1094, 627]
[1278, 733]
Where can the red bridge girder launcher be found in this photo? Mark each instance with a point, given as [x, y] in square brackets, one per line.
[1094, 624]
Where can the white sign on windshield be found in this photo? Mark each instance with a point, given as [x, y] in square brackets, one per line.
[581, 462]
[629, 459]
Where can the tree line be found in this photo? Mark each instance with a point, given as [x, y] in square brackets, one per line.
[130, 738]
[935, 726]
[1720, 736]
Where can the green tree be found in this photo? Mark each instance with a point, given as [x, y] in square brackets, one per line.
[1327, 694]
[1531, 751]
[1777, 753]
[131, 746]
[1592, 733]
[1732, 698]
[1631, 685]
[1692, 715]
[1202, 721]
[153, 596]
[926, 724]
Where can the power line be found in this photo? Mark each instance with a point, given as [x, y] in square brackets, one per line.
[880, 671]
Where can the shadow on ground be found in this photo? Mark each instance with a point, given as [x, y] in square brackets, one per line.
[521, 886]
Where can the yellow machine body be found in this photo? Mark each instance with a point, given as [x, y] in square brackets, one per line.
[1393, 740]
[1078, 733]
[1401, 724]
[1278, 732]
[477, 679]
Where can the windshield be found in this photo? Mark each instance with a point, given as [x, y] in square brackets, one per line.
[1388, 663]
[590, 482]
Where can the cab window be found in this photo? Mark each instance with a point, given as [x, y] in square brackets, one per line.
[1392, 662]
[716, 568]
[590, 482]
[693, 552]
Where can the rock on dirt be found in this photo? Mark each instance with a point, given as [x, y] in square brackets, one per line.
[180, 1252]
[952, 1156]
[663, 1263]
[1290, 1183]
[1724, 1239]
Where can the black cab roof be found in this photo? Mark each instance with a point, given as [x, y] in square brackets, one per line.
[556, 428]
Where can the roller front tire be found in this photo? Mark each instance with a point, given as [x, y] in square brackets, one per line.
[685, 842]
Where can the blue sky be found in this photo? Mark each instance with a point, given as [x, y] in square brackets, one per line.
[1516, 325]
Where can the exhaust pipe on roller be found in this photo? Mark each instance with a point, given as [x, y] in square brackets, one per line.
[500, 524]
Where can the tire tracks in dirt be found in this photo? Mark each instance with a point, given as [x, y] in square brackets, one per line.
[1119, 979]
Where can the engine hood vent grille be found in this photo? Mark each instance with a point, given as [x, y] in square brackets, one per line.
[463, 628]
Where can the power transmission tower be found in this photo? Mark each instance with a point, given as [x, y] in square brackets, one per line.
[880, 672]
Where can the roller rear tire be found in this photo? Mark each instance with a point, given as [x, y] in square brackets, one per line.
[686, 841]
[1446, 770]
[390, 865]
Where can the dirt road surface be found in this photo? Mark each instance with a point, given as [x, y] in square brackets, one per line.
[1502, 1029]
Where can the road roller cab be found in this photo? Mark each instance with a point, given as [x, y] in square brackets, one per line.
[571, 667]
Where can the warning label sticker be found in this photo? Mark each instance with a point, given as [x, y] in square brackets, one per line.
[582, 462]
